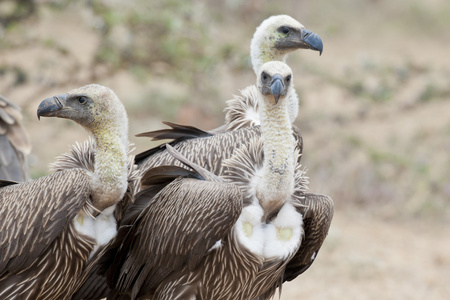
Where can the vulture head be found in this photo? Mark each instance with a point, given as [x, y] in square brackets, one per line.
[95, 107]
[274, 82]
[279, 35]
[99, 110]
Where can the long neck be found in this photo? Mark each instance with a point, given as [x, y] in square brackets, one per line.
[109, 181]
[277, 181]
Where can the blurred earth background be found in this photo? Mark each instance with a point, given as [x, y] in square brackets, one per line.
[375, 111]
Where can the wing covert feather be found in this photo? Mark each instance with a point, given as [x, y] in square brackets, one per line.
[317, 215]
[178, 226]
[33, 214]
[208, 152]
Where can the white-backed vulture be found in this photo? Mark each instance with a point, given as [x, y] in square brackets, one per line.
[14, 143]
[47, 225]
[211, 149]
[273, 40]
[238, 236]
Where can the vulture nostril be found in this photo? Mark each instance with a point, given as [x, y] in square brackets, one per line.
[57, 101]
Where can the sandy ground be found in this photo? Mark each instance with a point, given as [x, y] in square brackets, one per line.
[365, 257]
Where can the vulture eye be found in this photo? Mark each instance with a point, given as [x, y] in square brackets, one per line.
[285, 30]
[264, 76]
[288, 79]
[82, 100]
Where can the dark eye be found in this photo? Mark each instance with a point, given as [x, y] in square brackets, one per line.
[264, 76]
[288, 78]
[82, 100]
[285, 30]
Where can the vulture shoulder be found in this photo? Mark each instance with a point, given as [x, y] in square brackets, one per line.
[34, 213]
[178, 223]
[205, 149]
[177, 133]
[317, 211]
[82, 156]
[14, 143]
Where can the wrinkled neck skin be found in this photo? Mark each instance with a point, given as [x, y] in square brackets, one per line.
[262, 53]
[277, 184]
[109, 181]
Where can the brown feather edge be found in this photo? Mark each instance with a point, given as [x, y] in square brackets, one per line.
[82, 155]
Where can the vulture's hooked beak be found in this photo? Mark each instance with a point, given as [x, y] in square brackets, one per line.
[313, 40]
[277, 87]
[51, 106]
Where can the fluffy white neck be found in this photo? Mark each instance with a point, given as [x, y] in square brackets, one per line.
[109, 181]
[277, 182]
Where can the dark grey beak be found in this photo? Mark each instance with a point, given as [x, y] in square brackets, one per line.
[313, 40]
[50, 106]
[276, 87]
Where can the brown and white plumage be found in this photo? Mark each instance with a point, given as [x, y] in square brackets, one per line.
[198, 239]
[14, 143]
[202, 148]
[194, 213]
[46, 235]
[273, 40]
[82, 155]
[317, 211]
[39, 244]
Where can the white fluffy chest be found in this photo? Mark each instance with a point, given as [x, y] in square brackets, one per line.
[102, 229]
[279, 238]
